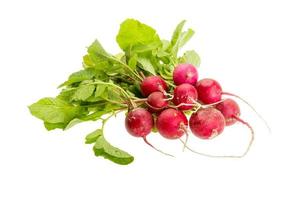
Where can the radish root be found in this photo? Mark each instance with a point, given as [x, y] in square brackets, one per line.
[248, 104]
[228, 156]
[252, 134]
[147, 142]
[184, 128]
[209, 155]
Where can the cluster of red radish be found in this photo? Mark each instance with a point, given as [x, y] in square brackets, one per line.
[166, 112]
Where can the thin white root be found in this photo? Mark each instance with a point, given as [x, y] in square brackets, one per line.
[168, 99]
[248, 104]
[167, 94]
[209, 155]
[213, 104]
[199, 105]
[145, 140]
[153, 106]
[229, 156]
[185, 129]
[252, 135]
[182, 104]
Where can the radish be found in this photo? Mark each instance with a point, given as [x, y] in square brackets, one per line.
[184, 96]
[230, 110]
[201, 124]
[202, 121]
[171, 123]
[157, 101]
[209, 91]
[139, 123]
[152, 84]
[252, 108]
[207, 123]
[185, 73]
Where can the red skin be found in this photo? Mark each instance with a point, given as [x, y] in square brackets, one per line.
[209, 91]
[139, 122]
[152, 84]
[184, 93]
[157, 101]
[185, 73]
[207, 123]
[230, 110]
[171, 123]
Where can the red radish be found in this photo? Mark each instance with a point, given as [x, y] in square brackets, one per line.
[248, 104]
[209, 91]
[152, 84]
[157, 101]
[139, 123]
[207, 123]
[230, 110]
[171, 123]
[184, 94]
[185, 73]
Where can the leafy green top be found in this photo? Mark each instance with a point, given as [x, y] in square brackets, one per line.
[109, 83]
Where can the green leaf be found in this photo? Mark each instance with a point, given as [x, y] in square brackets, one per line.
[87, 62]
[93, 136]
[104, 61]
[161, 53]
[72, 123]
[147, 65]
[190, 57]
[66, 94]
[133, 61]
[95, 115]
[79, 76]
[186, 36]
[98, 56]
[134, 33]
[114, 154]
[177, 33]
[54, 111]
[51, 126]
[101, 91]
[145, 48]
[89, 117]
[83, 92]
[180, 38]
[96, 51]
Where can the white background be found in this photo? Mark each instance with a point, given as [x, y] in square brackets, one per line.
[250, 47]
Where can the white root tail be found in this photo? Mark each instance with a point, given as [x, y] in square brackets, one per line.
[252, 135]
[227, 156]
[167, 154]
[248, 104]
[184, 128]
[210, 155]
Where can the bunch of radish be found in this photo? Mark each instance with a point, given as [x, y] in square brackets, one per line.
[151, 79]
[166, 110]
